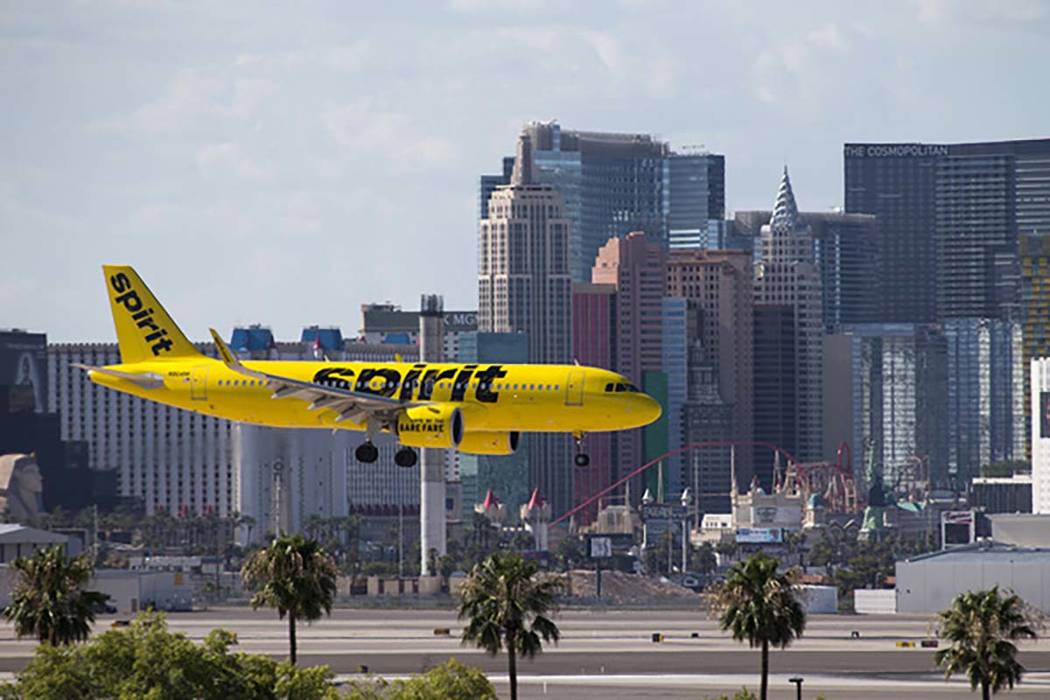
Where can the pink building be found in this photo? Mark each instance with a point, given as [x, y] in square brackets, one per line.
[593, 315]
[634, 265]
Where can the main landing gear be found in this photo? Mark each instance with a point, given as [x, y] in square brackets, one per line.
[366, 452]
[582, 459]
[405, 457]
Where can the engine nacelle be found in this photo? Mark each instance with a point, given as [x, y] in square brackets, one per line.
[490, 443]
[436, 426]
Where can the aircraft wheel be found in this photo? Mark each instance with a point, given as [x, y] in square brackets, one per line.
[405, 457]
[582, 459]
[366, 453]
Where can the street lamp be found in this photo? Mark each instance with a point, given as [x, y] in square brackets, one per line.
[797, 680]
[687, 499]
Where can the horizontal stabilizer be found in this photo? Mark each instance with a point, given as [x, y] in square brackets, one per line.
[146, 380]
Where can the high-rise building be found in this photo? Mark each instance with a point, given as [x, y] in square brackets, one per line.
[634, 266]
[718, 287]
[787, 276]
[594, 345]
[696, 197]
[1035, 303]
[1040, 410]
[888, 398]
[524, 287]
[675, 363]
[490, 183]
[612, 184]
[985, 388]
[949, 216]
[775, 387]
[845, 248]
[706, 418]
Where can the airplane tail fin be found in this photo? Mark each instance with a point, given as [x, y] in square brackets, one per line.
[145, 331]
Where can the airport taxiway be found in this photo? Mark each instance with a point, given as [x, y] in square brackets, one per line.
[606, 654]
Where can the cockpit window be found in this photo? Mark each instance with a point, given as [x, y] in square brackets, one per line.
[621, 387]
[609, 387]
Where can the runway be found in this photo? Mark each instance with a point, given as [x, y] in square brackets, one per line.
[605, 654]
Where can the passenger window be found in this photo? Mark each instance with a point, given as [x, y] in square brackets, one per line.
[556, 386]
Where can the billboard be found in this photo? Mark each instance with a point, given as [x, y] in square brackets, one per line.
[759, 535]
[957, 527]
[23, 365]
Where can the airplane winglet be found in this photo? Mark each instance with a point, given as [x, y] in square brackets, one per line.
[225, 353]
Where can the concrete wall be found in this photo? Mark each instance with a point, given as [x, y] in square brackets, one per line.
[875, 601]
[928, 586]
[820, 599]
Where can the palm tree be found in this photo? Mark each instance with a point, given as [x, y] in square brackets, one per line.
[982, 627]
[49, 602]
[761, 606]
[294, 575]
[508, 606]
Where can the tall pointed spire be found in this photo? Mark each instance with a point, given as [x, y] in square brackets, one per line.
[522, 173]
[785, 211]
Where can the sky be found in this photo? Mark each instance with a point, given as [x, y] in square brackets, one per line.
[285, 163]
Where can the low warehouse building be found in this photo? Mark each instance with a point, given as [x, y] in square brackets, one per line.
[928, 583]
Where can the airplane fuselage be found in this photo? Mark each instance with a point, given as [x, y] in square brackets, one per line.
[490, 397]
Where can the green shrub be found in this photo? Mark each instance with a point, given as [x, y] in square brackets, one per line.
[450, 681]
[147, 661]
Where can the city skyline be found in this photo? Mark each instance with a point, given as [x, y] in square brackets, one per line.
[247, 158]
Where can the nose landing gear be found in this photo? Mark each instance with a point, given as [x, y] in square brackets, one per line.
[581, 459]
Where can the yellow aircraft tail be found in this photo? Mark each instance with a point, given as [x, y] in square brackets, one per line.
[145, 331]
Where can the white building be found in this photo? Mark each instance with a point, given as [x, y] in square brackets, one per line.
[1040, 377]
[171, 459]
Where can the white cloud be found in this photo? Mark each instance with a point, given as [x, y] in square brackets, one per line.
[225, 159]
[791, 71]
[385, 139]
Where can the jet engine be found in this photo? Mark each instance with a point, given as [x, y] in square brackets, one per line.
[490, 443]
[430, 426]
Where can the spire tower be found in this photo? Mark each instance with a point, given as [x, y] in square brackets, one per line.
[785, 211]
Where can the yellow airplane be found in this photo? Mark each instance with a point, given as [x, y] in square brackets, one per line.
[475, 408]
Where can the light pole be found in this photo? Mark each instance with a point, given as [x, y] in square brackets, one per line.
[687, 499]
[797, 680]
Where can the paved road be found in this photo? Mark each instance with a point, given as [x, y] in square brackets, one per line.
[608, 654]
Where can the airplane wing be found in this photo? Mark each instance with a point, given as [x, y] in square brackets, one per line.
[354, 406]
[146, 380]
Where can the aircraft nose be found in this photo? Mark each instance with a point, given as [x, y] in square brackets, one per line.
[648, 407]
